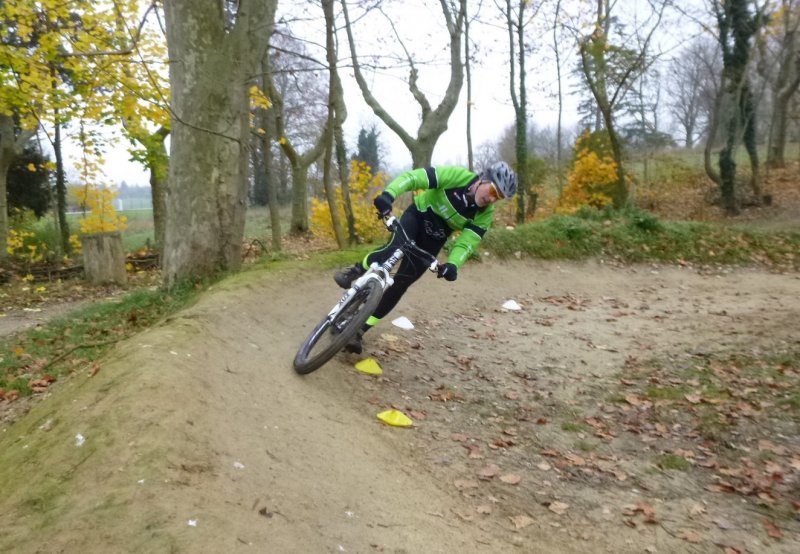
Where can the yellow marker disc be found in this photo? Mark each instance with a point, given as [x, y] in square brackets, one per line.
[395, 418]
[369, 366]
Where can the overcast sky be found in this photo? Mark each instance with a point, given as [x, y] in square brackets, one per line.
[423, 35]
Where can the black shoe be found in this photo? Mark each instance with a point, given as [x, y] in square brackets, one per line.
[345, 277]
[354, 346]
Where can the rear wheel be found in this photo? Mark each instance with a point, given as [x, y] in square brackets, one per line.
[332, 334]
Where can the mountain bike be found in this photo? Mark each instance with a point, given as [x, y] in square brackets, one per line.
[357, 303]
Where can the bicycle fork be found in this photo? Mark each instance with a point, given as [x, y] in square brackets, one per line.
[377, 272]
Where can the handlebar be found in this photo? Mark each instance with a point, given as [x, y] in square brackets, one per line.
[393, 224]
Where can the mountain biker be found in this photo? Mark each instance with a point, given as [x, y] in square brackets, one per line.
[453, 199]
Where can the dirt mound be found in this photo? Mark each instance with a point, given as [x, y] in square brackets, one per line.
[196, 436]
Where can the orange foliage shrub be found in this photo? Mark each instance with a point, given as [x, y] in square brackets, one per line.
[592, 176]
[364, 186]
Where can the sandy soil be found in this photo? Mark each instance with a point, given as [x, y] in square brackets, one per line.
[200, 438]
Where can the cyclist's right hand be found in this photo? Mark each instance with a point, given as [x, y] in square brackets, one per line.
[383, 203]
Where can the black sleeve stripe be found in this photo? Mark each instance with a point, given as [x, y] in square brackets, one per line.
[480, 231]
[432, 182]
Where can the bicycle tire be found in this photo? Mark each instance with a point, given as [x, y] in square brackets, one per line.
[357, 311]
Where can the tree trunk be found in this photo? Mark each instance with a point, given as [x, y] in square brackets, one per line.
[748, 115]
[559, 176]
[468, 75]
[61, 188]
[727, 163]
[11, 145]
[339, 115]
[104, 258]
[519, 100]
[299, 222]
[158, 163]
[711, 134]
[270, 176]
[209, 71]
[299, 163]
[327, 181]
[786, 88]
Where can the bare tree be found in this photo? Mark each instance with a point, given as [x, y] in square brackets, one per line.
[433, 121]
[737, 26]
[610, 71]
[299, 162]
[780, 55]
[516, 18]
[686, 85]
[557, 52]
[336, 115]
[298, 94]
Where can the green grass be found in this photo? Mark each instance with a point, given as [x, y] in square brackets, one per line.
[673, 462]
[637, 236]
[84, 335]
[575, 427]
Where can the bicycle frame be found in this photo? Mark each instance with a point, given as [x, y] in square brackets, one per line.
[382, 272]
[357, 303]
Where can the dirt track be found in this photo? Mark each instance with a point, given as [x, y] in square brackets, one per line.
[202, 420]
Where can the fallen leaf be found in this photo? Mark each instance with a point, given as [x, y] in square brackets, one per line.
[511, 479]
[574, 459]
[489, 471]
[634, 400]
[697, 509]
[544, 466]
[558, 507]
[522, 521]
[459, 437]
[690, 536]
[694, 398]
[464, 484]
[772, 447]
[772, 530]
[484, 509]
[474, 451]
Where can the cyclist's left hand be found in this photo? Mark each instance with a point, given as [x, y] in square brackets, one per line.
[448, 271]
[383, 203]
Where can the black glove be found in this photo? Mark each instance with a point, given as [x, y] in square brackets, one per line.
[383, 203]
[448, 271]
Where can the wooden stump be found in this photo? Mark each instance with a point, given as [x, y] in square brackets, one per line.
[104, 258]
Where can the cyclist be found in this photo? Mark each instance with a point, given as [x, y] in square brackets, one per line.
[454, 199]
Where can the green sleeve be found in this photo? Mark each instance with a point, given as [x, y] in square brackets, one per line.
[470, 237]
[414, 179]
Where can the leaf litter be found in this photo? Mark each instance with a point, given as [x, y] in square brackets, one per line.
[590, 424]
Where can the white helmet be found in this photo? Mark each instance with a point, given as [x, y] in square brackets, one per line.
[501, 175]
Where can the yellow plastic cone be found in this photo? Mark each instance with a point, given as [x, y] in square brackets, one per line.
[369, 366]
[395, 418]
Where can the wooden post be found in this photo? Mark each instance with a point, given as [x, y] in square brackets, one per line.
[104, 258]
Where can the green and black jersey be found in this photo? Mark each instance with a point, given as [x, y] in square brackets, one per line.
[445, 194]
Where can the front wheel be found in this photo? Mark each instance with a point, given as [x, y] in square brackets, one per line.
[333, 333]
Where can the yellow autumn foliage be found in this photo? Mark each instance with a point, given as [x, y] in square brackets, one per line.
[591, 179]
[102, 215]
[364, 186]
